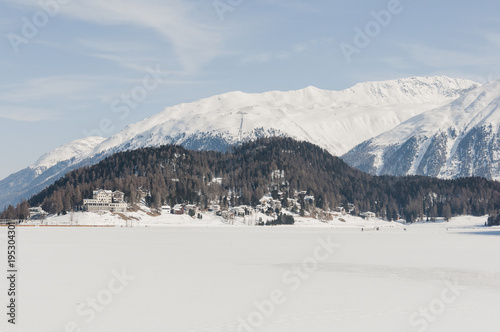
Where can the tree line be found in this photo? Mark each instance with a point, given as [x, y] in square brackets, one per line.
[171, 174]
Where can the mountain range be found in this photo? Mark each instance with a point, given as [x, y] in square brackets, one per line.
[460, 139]
[364, 124]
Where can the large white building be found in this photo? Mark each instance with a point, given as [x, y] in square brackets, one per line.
[105, 200]
[37, 213]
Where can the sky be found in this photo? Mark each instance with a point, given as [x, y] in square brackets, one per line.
[76, 68]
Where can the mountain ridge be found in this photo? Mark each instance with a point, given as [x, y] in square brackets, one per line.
[459, 139]
[334, 120]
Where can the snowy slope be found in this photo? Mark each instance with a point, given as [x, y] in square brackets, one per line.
[47, 169]
[456, 140]
[66, 152]
[334, 120]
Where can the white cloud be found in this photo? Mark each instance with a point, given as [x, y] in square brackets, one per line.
[194, 41]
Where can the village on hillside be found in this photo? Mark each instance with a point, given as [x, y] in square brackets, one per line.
[274, 208]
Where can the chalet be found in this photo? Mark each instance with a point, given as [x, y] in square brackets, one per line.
[166, 209]
[238, 211]
[178, 209]
[193, 207]
[368, 215]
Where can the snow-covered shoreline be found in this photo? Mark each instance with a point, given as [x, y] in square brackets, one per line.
[143, 218]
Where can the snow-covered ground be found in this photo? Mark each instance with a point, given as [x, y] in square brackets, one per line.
[144, 218]
[422, 277]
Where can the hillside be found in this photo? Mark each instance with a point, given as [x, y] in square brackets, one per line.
[172, 174]
[334, 120]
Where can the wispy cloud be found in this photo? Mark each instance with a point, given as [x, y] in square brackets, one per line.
[263, 57]
[27, 100]
[27, 114]
[296, 5]
[126, 54]
[194, 41]
[441, 58]
[43, 88]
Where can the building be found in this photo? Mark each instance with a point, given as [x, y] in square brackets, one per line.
[166, 209]
[368, 215]
[193, 207]
[37, 213]
[178, 209]
[105, 200]
[118, 197]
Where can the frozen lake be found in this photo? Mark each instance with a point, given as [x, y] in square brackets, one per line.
[427, 278]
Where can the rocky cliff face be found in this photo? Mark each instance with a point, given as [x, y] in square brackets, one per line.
[457, 140]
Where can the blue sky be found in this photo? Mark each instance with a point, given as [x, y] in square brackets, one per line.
[61, 79]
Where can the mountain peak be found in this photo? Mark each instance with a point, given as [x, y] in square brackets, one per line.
[334, 120]
[459, 139]
[68, 151]
[413, 89]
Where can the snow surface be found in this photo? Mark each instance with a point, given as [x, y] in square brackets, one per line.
[208, 278]
[144, 218]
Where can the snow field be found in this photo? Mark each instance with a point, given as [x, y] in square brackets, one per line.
[273, 278]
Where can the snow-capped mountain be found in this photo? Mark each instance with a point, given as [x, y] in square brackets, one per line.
[334, 120]
[459, 139]
[46, 170]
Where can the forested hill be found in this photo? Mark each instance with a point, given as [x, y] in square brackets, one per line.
[172, 174]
